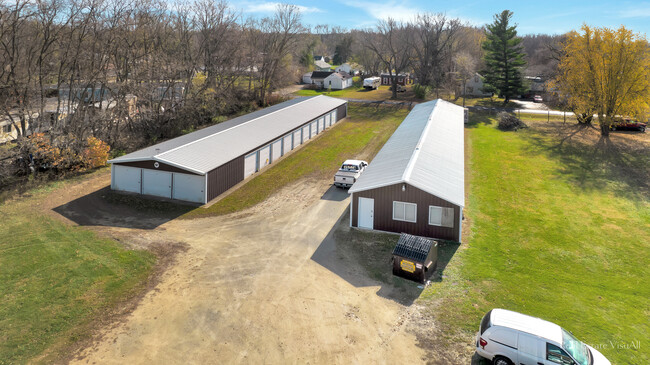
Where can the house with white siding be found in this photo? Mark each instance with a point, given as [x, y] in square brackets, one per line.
[338, 81]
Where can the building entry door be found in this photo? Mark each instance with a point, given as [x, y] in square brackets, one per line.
[366, 213]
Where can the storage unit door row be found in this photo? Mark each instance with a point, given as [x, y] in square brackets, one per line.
[164, 184]
[267, 154]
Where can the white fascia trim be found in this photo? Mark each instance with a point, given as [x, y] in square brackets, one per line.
[415, 185]
[182, 167]
[155, 158]
[133, 159]
[350, 191]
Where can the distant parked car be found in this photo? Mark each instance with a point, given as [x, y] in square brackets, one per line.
[537, 99]
[349, 173]
[628, 124]
[507, 338]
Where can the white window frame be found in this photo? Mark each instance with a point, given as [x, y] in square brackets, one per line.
[404, 204]
[441, 209]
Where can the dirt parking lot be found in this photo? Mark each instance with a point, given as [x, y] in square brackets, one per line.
[266, 285]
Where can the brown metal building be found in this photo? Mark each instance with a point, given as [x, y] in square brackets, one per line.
[402, 79]
[199, 166]
[415, 184]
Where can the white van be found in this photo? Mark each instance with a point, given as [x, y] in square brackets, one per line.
[507, 338]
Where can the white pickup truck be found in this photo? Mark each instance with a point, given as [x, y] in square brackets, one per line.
[349, 173]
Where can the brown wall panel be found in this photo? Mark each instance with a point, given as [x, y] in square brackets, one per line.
[149, 164]
[341, 112]
[383, 211]
[225, 177]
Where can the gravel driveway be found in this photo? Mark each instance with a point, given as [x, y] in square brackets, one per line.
[247, 291]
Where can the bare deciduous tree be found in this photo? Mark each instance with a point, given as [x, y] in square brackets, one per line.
[391, 42]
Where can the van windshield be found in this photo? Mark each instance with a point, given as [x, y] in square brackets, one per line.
[575, 347]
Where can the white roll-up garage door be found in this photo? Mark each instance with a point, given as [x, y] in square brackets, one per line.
[190, 188]
[321, 124]
[126, 178]
[314, 128]
[276, 150]
[305, 133]
[250, 162]
[334, 117]
[297, 138]
[157, 183]
[328, 119]
[286, 141]
[265, 157]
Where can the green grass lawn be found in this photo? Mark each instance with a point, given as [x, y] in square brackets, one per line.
[360, 136]
[556, 232]
[55, 279]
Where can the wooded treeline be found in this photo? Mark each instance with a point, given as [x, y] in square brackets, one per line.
[132, 72]
[129, 72]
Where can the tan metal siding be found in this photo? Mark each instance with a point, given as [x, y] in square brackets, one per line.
[383, 211]
[225, 177]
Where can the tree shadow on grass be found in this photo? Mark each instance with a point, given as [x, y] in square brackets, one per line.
[477, 118]
[619, 163]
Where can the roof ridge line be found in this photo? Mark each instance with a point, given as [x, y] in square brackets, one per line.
[416, 153]
[231, 128]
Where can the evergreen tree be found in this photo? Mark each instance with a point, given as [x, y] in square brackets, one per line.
[343, 50]
[307, 56]
[504, 58]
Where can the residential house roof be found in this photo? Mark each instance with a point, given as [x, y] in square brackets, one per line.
[320, 75]
[341, 75]
[322, 64]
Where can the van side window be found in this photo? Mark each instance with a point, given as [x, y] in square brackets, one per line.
[557, 355]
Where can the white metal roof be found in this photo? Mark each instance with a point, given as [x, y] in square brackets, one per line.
[525, 323]
[211, 147]
[426, 151]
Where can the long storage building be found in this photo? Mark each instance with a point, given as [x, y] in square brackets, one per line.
[416, 183]
[199, 166]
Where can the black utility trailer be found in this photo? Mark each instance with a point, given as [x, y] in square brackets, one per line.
[414, 257]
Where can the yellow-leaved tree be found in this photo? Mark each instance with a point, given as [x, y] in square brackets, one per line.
[605, 72]
[96, 154]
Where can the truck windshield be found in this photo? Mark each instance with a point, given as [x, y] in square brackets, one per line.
[349, 168]
[575, 347]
